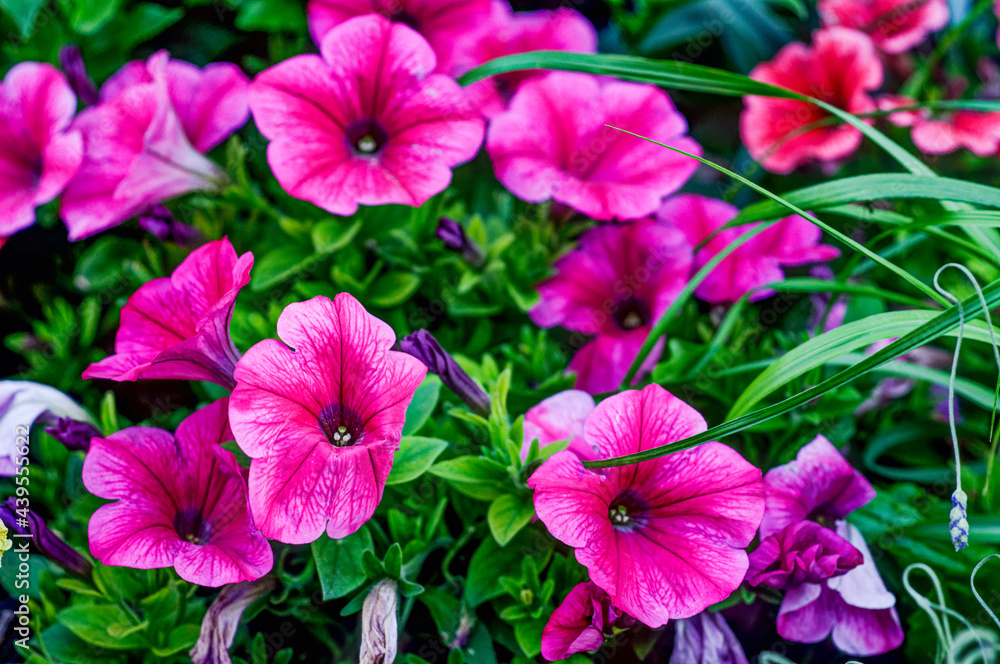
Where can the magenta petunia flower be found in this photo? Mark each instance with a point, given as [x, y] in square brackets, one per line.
[841, 67]
[664, 538]
[855, 607]
[367, 122]
[507, 33]
[136, 149]
[181, 502]
[560, 417]
[578, 624]
[614, 286]
[757, 262]
[441, 22]
[819, 485]
[803, 552]
[211, 103]
[39, 153]
[895, 26]
[321, 418]
[554, 143]
[177, 327]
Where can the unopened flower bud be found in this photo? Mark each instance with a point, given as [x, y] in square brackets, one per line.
[75, 435]
[43, 541]
[71, 61]
[453, 235]
[379, 629]
[423, 346]
[218, 628]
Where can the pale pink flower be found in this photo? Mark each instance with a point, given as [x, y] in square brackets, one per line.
[614, 286]
[180, 501]
[555, 142]
[841, 67]
[560, 417]
[143, 143]
[177, 327]
[755, 263]
[895, 26]
[366, 122]
[321, 417]
[508, 33]
[39, 153]
[441, 22]
[664, 538]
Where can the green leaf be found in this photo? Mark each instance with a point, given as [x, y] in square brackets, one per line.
[279, 265]
[841, 340]
[529, 636]
[109, 414]
[416, 454]
[338, 563]
[271, 16]
[422, 405]
[491, 562]
[475, 477]
[89, 16]
[393, 561]
[101, 265]
[393, 289]
[24, 14]
[180, 639]
[941, 324]
[105, 626]
[333, 235]
[508, 514]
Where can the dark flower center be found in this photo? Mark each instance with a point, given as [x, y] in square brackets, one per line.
[192, 526]
[366, 137]
[406, 18]
[631, 313]
[341, 426]
[628, 512]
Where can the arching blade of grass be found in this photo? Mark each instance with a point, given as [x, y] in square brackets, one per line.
[941, 324]
[826, 347]
[864, 188]
[660, 328]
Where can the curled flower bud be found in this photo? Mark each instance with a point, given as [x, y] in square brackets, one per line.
[706, 639]
[43, 540]
[959, 519]
[157, 220]
[71, 61]
[423, 346]
[453, 235]
[75, 435]
[378, 624]
[218, 628]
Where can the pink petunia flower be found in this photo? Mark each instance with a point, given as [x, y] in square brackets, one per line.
[755, 263]
[441, 22]
[803, 552]
[819, 485]
[177, 327]
[507, 33]
[321, 418]
[39, 154]
[614, 286]
[895, 26]
[855, 607]
[579, 624]
[181, 502]
[554, 142]
[143, 143]
[367, 122]
[211, 103]
[841, 67]
[560, 417]
[664, 538]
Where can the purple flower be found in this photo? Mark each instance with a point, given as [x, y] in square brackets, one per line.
[43, 540]
[157, 220]
[451, 233]
[423, 346]
[818, 485]
[75, 435]
[71, 61]
[804, 552]
[855, 608]
[706, 639]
